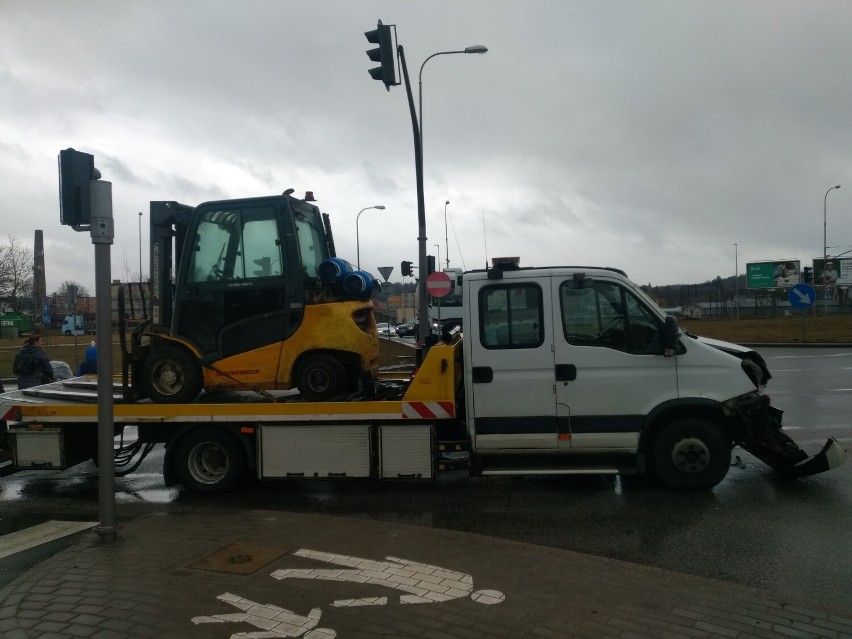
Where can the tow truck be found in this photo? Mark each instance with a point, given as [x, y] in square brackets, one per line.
[560, 370]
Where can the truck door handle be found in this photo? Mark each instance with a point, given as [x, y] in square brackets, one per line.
[482, 374]
[566, 372]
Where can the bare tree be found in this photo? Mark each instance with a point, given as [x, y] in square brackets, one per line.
[82, 291]
[16, 273]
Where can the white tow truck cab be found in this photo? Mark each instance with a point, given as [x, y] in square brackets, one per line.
[563, 370]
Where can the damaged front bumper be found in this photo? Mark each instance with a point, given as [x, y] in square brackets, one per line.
[760, 433]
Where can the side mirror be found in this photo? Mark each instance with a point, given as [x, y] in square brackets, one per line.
[670, 335]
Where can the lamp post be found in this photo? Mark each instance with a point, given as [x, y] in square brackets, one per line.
[476, 48]
[736, 283]
[825, 241]
[140, 247]
[446, 240]
[421, 292]
[380, 207]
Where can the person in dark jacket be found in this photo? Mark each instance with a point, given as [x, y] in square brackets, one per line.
[35, 368]
[89, 366]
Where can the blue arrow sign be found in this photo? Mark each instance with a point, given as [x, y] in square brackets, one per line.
[802, 296]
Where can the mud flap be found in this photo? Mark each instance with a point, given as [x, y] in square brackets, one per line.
[769, 443]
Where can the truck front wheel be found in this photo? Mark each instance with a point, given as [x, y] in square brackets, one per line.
[691, 454]
[208, 461]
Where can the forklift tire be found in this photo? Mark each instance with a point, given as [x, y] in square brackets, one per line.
[691, 454]
[174, 377]
[321, 378]
[208, 460]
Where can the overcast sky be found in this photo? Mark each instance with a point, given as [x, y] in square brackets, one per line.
[650, 136]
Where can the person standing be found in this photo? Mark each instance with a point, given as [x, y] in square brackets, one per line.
[32, 365]
[89, 366]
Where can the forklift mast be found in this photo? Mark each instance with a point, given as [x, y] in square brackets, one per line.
[169, 224]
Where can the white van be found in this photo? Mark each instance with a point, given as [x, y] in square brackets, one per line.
[580, 361]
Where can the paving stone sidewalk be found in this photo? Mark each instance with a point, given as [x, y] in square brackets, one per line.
[270, 574]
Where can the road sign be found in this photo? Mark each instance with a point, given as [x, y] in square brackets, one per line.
[386, 271]
[439, 284]
[802, 296]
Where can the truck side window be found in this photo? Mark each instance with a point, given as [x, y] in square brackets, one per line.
[609, 316]
[511, 316]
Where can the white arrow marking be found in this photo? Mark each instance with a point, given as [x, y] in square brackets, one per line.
[803, 297]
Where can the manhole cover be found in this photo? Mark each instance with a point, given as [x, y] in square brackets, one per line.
[238, 559]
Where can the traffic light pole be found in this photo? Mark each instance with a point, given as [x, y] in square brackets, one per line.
[422, 296]
[85, 204]
[102, 233]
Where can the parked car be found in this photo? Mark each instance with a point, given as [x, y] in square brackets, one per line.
[407, 329]
[385, 330]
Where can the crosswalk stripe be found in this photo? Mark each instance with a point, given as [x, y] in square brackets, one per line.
[40, 534]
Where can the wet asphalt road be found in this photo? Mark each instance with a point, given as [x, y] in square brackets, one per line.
[753, 529]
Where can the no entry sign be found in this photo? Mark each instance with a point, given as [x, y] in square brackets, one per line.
[439, 284]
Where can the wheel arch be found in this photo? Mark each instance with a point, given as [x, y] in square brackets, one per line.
[350, 361]
[245, 442]
[667, 412]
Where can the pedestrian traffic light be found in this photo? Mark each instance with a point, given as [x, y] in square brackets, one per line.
[808, 275]
[76, 171]
[406, 268]
[383, 54]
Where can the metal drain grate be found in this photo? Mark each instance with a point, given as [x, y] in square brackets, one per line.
[238, 559]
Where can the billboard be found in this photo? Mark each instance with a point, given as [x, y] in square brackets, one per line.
[839, 271]
[775, 274]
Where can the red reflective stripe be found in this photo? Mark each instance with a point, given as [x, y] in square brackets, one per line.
[428, 410]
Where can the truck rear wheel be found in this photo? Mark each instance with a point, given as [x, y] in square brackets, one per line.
[321, 377]
[174, 376]
[691, 454]
[208, 461]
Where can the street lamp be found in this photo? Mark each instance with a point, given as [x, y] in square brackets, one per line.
[476, 48]
[446, 241]
[140, 247]
[825, 241]
[736, 283]
[380, 207]
[422, 296]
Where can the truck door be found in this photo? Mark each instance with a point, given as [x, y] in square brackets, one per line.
[510, 376]
[610, 368]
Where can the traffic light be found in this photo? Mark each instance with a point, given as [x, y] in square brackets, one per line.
[405, 267]
[808, 275]
[76, 171]
[383, 54]
[430, 264]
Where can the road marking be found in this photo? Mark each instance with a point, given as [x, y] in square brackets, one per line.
[273, 621]
[424, 583]
[40, 534]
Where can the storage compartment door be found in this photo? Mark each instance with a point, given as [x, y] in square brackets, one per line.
[314, 451]
[407, 452]
[38, 448]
